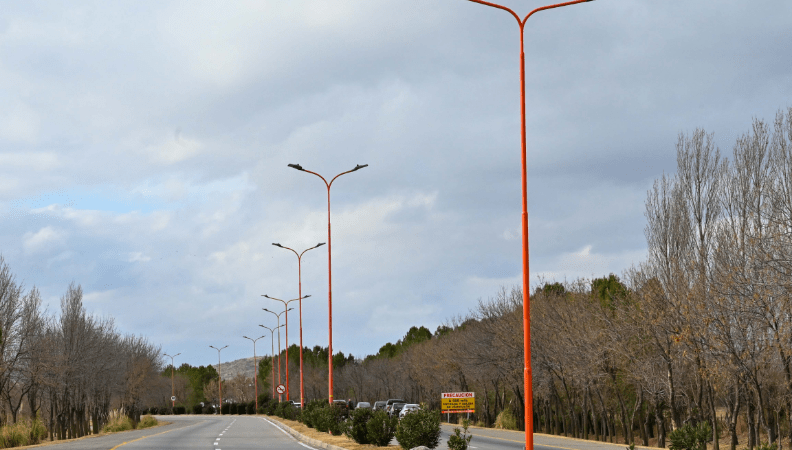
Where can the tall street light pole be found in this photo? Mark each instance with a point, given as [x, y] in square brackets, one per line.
[527, 375]
[272, 361]
[280, 396]
[255, 367]
[329, 274]
[286, 305]
[173, 392]
[299, 294]
[219, 378]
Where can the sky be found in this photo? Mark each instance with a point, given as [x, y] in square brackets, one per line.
[144, 149]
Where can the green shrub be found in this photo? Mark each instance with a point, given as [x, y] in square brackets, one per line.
[148, 422]
[38, 432]
[119, 423]
[180, 410]
[271, 407]
[251, 407]
[381, 428]
[419, 428]
[285, 410]
[355, 428]
[208, 408]
[310, 413]
[689, 437]
[460, 439]
[335, 415]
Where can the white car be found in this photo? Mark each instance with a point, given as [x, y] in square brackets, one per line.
[363, 405]
[407, 408]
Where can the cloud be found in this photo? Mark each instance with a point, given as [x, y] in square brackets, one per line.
[42, 240]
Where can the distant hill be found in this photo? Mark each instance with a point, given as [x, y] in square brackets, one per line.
[242, 366]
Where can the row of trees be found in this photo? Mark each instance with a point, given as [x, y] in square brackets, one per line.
[701, 331]
[73, 368]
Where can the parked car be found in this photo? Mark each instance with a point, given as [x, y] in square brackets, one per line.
[344, 405]
[390, 402]
[297, 405]
[396, 409]
[407, 408]
[378, 405]
[363, 405]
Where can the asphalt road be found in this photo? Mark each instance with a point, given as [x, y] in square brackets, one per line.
[492, 439]
[194, 433]
[250, 432]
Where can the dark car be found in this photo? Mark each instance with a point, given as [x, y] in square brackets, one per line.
[396, 409]
[378, 405]
[344, 405]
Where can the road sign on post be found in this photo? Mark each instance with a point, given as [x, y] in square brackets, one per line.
[281, 389]
[458, 402]
[173, 398]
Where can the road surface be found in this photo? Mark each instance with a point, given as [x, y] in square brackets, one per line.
[255, 432]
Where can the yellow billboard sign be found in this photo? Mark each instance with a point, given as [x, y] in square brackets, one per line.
[458, 402]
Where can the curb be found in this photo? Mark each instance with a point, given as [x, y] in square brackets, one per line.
[306, 439]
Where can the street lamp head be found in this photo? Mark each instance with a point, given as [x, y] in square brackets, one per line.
[320, 244]
[245, 337]
[296, 166]
[277, 244]
[265, 295]
[265, 309]
[289, 309]
[358, 167]
[306, 296]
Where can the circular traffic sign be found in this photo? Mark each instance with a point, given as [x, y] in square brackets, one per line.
[281, 389]
[173, 399]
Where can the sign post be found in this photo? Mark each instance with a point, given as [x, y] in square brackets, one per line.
[458, 402]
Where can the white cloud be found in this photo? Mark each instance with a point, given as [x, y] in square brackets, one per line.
[45, 238]
[138, 257]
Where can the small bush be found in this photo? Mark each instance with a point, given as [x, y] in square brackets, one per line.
[119, 423]
[766, 446]
[37, 432]
[506, 420]
[355, 428]
[381, 428]
[180, 410]
[310, 413]
[460, 439]
[271, 406]
[419, 428]
[24, 432]
[208, 408]
[148, 422]
[197, 408]
[335, 415]
[689, 437]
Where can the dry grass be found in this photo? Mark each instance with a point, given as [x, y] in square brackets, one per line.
[327, 438]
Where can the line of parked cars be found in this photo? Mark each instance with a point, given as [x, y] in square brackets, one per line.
[394, 406]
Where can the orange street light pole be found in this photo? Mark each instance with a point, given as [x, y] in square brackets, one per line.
[280, 396]
[173, 392]
[286, 305]
[272, 333]
[219, 378]
[299, 294]
[329, 274]
[527, 375]
[255, 367]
